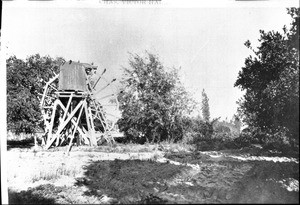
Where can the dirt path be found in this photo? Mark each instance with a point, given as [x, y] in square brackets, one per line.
[101, 177]
[222, 178]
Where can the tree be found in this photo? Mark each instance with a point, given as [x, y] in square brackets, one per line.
[236, 121]
[205, 107]
[271, 82]
[153, 101]
[25, 80]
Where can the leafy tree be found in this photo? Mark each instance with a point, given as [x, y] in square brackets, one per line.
[205, 107]
[25, 81]
[153, 101]
[271, 81]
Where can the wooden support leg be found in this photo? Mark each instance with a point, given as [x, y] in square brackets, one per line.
[90, 128]
[65, 109]
[49, 138]
[43, 141]
[62, 140]
[93, 134]
[87, 116]
[75, 129]
[87, 122]
[58, 136]
[65, 123]
[82, 131]
[35, 141]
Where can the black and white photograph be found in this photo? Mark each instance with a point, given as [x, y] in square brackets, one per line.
[150, 102]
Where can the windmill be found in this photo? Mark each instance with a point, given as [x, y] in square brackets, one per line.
[76, 107]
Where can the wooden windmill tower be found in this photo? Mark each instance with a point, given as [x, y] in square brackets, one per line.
[71, 110]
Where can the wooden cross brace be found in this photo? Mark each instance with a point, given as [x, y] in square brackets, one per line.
[70, 117]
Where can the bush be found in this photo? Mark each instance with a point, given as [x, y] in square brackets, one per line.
[188, 138]
[280, 141]
[216, 144]
[202, 144]
[214, 135]
[272, 139]
[250, 136]
[244, 140]
[202, 136]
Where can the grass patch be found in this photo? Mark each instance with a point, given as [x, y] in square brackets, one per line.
[184, 157]
[55, 173]
[176, 147]
[117, 148]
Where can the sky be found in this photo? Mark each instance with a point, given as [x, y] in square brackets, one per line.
[206, 43]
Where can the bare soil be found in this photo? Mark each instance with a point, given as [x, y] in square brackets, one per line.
[148, 174]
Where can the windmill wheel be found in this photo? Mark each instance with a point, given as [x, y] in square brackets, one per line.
[105, 107]
[47, 101]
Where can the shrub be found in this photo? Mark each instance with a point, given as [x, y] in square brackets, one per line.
[244, 140]
[279, 141]
[276, 139]
[188, 137]
[214, 135]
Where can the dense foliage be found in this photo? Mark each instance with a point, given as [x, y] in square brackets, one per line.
[153, 103]
[206, 134]
[270, 105]
[227, 129]
[215, 134]
[25, 81]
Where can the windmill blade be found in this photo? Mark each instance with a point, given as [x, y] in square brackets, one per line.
[99, 78]
[105, 86]
[107, 96]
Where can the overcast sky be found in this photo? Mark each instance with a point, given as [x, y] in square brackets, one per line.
[207, 43]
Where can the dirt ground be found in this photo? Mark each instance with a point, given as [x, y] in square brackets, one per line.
[148, 174]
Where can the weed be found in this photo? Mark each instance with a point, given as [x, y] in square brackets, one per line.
[34, 152]
[155, 157]
[91, 155]
[132, 157]
[152, 199]
[125, 149]
[54, 174]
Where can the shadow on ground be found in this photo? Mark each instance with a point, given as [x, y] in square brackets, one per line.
[26, 143]
[266, 182]
[214, 180]
[129, 181]
[31, 196]
[222, 181]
